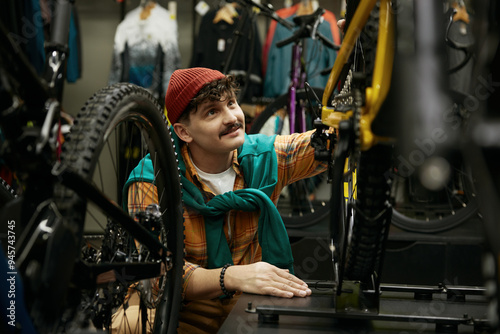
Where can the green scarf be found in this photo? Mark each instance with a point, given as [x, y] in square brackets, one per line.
[257, 159]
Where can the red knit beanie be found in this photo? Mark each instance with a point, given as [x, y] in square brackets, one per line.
[183, 86]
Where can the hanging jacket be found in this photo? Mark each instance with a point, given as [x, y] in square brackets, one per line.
[277, 61]
[211, 48]
[146, 51]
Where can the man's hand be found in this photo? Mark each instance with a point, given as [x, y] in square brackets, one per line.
[341, 25]
[265, 279]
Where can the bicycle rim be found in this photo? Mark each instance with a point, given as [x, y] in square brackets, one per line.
[115, 129]
[305, 202]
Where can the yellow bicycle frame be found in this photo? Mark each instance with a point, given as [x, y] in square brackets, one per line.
[381, 80]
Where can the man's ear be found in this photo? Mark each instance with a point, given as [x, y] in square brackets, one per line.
[182, 132]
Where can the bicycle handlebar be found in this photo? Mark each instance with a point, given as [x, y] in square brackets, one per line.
[308, 28]
[268, 11]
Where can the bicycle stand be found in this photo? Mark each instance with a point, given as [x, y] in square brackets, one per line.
[358, 305]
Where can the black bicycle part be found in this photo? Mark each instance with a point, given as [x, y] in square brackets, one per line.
[302, 204]
[102, 149]
[268, 11]
[308, 25]
[419, 210]
[29, 110]
[466, 48]
[338, 218]
[360, 209]
[7, 193]
[482, 148]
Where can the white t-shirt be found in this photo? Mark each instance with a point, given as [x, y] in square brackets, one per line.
[219, 183]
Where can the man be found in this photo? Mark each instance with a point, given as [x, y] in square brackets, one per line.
[235, 240]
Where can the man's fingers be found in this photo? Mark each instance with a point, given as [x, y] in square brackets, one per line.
[287, 291]
[280, 283]
[341, 25]
[291, 286]
[289, 277]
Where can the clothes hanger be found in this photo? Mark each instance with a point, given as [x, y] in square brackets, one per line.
[461, 14]
[226, 13]
[305, 8]
[147, 6]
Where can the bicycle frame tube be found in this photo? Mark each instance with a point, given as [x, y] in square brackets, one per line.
[298, 77]
[381, 82]
[294, 84]
[76, 183]
[12, 57]
[303, 77]
[376, 94]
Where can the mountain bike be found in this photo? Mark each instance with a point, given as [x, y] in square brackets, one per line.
[305, 202]
[393, 99]
[70, 244]
[386, 95]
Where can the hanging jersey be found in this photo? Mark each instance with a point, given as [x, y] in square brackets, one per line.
[146, 51]
[212, 46]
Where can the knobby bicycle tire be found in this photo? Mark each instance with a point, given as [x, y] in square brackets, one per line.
[305, 202]
[367, 235]
[117, 127]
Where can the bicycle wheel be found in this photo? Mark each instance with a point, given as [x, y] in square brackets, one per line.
[418, 209]
[364, 217]
[115, 129]
[302, 203]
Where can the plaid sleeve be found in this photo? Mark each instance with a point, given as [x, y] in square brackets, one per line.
[140, 195]
[188, 271]
[296, 158]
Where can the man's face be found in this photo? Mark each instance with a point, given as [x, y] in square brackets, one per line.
[216, 127]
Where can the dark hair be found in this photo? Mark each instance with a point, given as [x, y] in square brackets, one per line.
[217, 90]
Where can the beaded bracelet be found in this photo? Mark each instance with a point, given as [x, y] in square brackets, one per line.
[221, 280]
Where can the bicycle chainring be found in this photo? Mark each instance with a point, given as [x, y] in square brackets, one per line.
[99, 304]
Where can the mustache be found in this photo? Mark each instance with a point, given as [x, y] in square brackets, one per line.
[231, 128]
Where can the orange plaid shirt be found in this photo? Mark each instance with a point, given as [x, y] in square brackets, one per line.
[295, 161]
